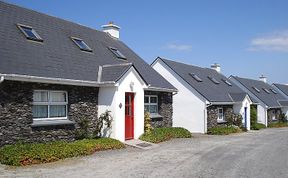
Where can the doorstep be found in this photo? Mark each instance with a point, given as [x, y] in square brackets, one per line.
[140, 144]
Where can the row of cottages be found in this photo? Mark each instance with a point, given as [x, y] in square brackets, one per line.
[205, 97]
[53, 73]
[268, 99]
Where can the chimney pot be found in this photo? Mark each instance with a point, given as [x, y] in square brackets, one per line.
[216, 67]
[263, 78]
[112, 29]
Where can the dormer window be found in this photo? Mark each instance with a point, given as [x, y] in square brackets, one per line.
[81, 44]
[274, 91]
[266, 90]
[196, 77]
[213, 80]
[29, 33]
[117, 53]
[227, 82]
[256, 89]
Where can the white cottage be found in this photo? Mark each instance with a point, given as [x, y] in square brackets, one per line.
[205, 97]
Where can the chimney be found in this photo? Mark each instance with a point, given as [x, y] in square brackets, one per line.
[263, 78]
[112, 29]
[216, 67]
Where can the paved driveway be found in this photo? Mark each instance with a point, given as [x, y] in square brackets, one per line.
[254, 154]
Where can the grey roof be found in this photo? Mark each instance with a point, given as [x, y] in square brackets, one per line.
[283, 103]
[113, 72]
[221, 92]
[58, 56]
[270, 99]
[283, 88]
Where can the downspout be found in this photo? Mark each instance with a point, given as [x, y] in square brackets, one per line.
[1, 79]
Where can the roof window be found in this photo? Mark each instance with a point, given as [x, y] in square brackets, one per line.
[266, 90]
[256, 89]
[29, 33]
[227, 82]
[81, 44]
[196, 77]
[117, 53]
[213, 80]
[274, 91]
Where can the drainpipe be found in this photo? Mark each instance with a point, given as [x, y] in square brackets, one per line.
[1, 79]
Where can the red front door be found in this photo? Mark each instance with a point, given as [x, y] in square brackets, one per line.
[129, 116]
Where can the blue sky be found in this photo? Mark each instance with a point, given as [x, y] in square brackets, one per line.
[247, 38]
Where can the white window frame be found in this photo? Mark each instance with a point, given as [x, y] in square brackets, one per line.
[220, 119]
[50, 103]
[153, 104]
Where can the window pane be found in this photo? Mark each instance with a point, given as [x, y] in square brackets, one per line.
[58, 111]
[153, 99]
[58, 96]
[40, 96]
[153, 108]
[146, 99]
[146, 108]
[40, 111]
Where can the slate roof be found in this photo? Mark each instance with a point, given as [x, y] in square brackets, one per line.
[58, 56]
[283, 88]
[221, 92]
[270, 99]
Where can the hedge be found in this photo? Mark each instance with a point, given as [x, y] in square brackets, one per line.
[223, 130]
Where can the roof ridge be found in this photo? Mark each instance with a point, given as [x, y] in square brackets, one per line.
[113, 65]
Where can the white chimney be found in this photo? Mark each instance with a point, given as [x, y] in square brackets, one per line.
[263, 78]
[216, 67]
[112, 29]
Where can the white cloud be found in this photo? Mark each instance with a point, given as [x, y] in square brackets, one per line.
[277, 41]
[178, 47]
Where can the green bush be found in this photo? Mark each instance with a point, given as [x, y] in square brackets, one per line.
[223, 130]
[257, 126]
[278, 124]
[158, 135]
[35, 153]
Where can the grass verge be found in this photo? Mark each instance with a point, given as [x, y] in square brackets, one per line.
[278, 124]
[158, 135]
[35, 153]
[221, 130]
[257, 126]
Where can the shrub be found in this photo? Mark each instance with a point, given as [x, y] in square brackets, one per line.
[82, 132]
[223, 130]
[257, 126]
[147, 122]
[35, 153]
[234, 119]
[104, 119]
[278, 124]
[158, 135]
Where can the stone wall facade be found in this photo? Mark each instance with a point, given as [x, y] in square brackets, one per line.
[212, 114]
[165, 109]
[273, 113]
[16, 112]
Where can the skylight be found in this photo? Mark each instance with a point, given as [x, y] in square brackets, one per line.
[213, 80]
[266, 90]
[117, 53]
[256, 89]
[196, 77]
[227, 82]
[274, 91]
[81, 44]
[29, 33]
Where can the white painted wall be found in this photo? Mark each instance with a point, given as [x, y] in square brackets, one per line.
[239, 108]
[112, 97]
[285, 110]
[189, 107]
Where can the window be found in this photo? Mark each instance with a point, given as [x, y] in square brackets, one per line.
[213, 80]
[29, 32]
[227, 82]
[266, 90]
[151, 104]
[117, 53]
[274, 91]
[49, 104]
[81, 44]
[256, 89]
[220, 114]
[198, 79]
